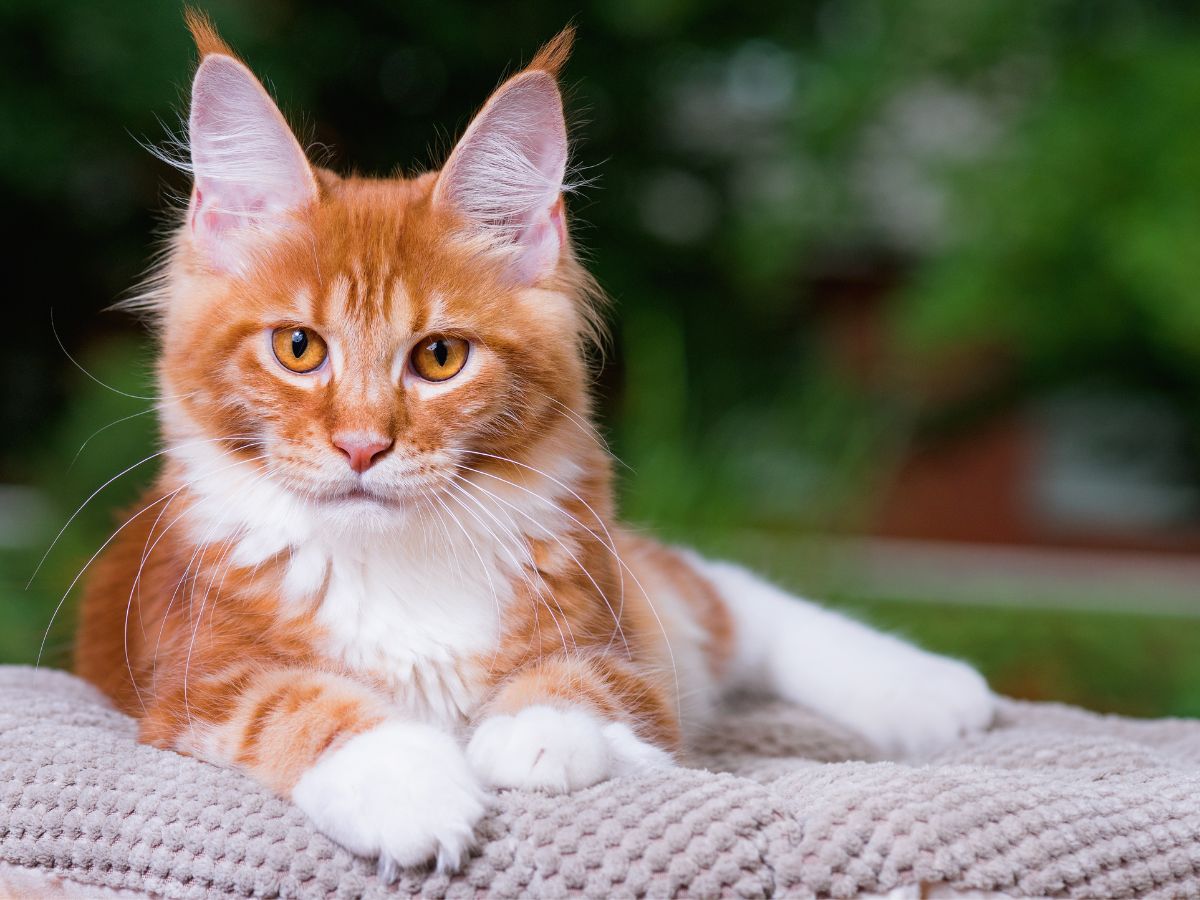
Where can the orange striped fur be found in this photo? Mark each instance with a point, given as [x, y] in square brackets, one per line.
[226, 652]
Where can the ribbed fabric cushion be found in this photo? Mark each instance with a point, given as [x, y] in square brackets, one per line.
[1054, 801]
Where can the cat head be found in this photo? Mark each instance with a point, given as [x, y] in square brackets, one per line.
[357, 341]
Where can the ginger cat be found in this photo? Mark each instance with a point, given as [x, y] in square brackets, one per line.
[380, 571]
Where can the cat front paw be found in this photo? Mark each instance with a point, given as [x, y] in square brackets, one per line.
[558, 750]
[911, 703]
[401, 792]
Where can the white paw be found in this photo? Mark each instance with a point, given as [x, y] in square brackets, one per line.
[558, 750]
[909, 702]
[402, 792]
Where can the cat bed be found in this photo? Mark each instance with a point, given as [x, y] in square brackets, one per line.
[1053, 801]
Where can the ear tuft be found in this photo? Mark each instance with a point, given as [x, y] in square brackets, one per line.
[552, 58]
[249, 173]
[204, 33]
[505, 176]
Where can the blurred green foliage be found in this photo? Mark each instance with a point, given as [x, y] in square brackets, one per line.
[1075, 248]
[1026, 173]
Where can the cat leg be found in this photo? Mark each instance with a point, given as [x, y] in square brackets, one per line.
[383, 787]
[903, 699]
[570, 721]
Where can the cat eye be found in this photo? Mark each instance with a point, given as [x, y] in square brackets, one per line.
[300, 349]
[439, 357]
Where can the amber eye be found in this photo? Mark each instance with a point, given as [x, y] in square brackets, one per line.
[439, 357]
[299, 349]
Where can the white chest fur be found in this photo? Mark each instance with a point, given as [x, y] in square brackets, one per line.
[413, 600]
[417, 621]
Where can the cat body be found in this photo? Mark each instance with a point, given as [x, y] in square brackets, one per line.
[381, 571]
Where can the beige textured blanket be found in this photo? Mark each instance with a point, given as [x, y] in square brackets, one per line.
[1053, 801]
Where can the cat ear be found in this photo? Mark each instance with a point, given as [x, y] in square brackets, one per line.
[249, 171]
[505, 176]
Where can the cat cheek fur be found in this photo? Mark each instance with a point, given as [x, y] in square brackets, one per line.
[336, 649]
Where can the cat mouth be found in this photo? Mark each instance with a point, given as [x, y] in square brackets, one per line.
[358, 495]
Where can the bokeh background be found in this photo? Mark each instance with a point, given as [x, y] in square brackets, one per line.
[907, 292]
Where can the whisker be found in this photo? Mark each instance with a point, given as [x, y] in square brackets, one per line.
[486, 570]
[611, 545]
[200, 545]
[103, 428]
[520, 568]
[122, 473]
[80, 367]
[148, 550]
[223, 554]
[583, 424]
[222, 564]
[515, 529]
[600, 591]
[58, 607]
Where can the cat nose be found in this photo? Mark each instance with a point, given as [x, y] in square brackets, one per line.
[362, 450]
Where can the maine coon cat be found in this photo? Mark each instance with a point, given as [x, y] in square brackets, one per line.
[380, 571]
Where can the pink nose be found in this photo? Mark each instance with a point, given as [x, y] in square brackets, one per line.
[362, 450]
